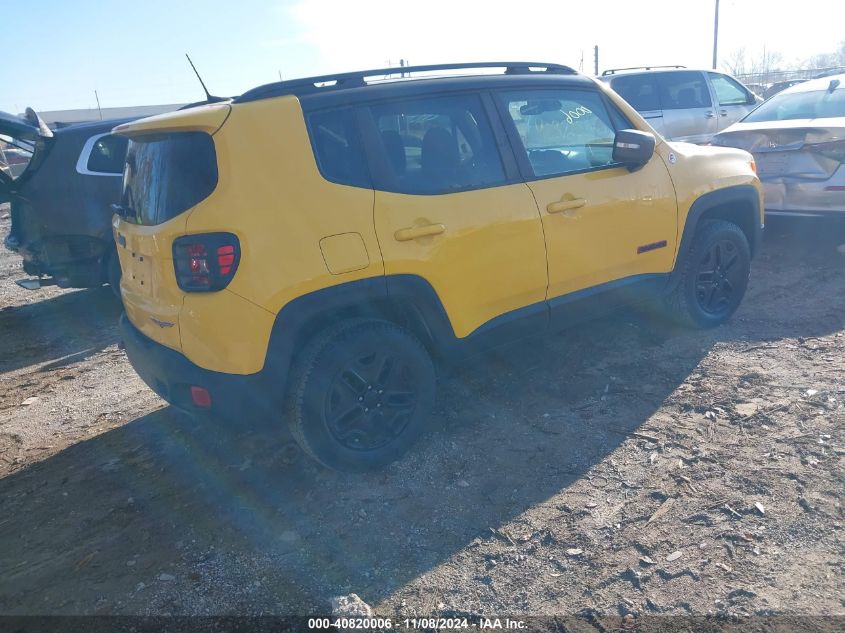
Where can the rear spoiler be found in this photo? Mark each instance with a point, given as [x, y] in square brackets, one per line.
[203, 118]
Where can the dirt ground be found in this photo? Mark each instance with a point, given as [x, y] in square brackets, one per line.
[619, 468]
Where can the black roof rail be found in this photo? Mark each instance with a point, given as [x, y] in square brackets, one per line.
[613, 71]
[358, 78]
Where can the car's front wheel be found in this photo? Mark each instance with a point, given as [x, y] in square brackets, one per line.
[360, 395]
[714, 276]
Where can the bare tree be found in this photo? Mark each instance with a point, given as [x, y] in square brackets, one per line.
[736, 62]
[827, 60]
[741, 63]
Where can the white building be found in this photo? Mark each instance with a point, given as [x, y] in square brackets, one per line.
[59, 118]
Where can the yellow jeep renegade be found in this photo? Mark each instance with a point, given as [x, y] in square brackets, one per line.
[303, 251]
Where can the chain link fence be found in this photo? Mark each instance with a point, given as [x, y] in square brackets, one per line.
[772, 81]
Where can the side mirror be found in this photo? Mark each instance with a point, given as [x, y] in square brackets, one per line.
[633, 148]
[752, 99]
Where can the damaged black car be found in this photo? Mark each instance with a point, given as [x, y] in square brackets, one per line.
[61, 184]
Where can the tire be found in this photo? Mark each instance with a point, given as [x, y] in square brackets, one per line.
[361, 393]
[113, 273]
[714, 276]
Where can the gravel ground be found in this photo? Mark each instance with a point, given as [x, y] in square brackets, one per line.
[620, 468]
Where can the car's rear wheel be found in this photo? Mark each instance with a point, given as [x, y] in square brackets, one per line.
[361, 393]
[714, 276]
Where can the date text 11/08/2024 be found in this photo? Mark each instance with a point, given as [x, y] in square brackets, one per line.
[417, 623]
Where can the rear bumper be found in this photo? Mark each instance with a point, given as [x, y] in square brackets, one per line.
[806, 196]
[170, 374]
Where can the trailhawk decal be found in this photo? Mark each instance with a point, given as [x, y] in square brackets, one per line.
[162, 324]
[645, 248]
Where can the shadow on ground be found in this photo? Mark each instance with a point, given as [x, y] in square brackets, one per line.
[61, 330]
[218, 507]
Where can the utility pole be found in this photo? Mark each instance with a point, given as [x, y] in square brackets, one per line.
[99, 109]
[716, 35]
[597, 59]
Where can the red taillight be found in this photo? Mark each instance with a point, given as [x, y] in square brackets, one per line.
[225, 258]
[200, 397]
[206, 261]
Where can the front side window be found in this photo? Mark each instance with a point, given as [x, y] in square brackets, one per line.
[108, 154]
[436, 145]
[682, 90]
[638, 90]
[167, 174]
[562, 131]
[728, 91]
[337, 147]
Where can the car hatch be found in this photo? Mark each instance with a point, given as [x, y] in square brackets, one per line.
[23, 144]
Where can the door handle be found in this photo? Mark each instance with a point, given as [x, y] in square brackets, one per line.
[723, 112]
[565, 205]
[414, 232]
[710, 114]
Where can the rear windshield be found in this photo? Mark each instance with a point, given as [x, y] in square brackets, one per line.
[816, 104]
[166, 175]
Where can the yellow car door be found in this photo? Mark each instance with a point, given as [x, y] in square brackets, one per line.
[604, 225]
[448, 210]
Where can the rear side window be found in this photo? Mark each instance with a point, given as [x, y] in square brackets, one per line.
[436, 145]
[108, 154]
[682, 90]
[337, 147]
[638, 90]
[167, 174]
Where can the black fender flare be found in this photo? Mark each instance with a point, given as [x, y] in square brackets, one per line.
[373, 297]
[745, 195]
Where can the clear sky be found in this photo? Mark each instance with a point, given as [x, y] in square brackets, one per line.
[55, 53]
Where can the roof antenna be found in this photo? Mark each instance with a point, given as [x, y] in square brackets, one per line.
[209, 97]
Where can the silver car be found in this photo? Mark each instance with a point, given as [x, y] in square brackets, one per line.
[682, 104]
[798, 141]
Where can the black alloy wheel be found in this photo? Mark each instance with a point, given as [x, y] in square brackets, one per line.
[360, 394]
[719, 277]
[370, 401]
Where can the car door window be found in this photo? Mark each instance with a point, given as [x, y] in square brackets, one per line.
[436, 145]
[728, 91]
[638, 90]
[683, 90]
[561, 131]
